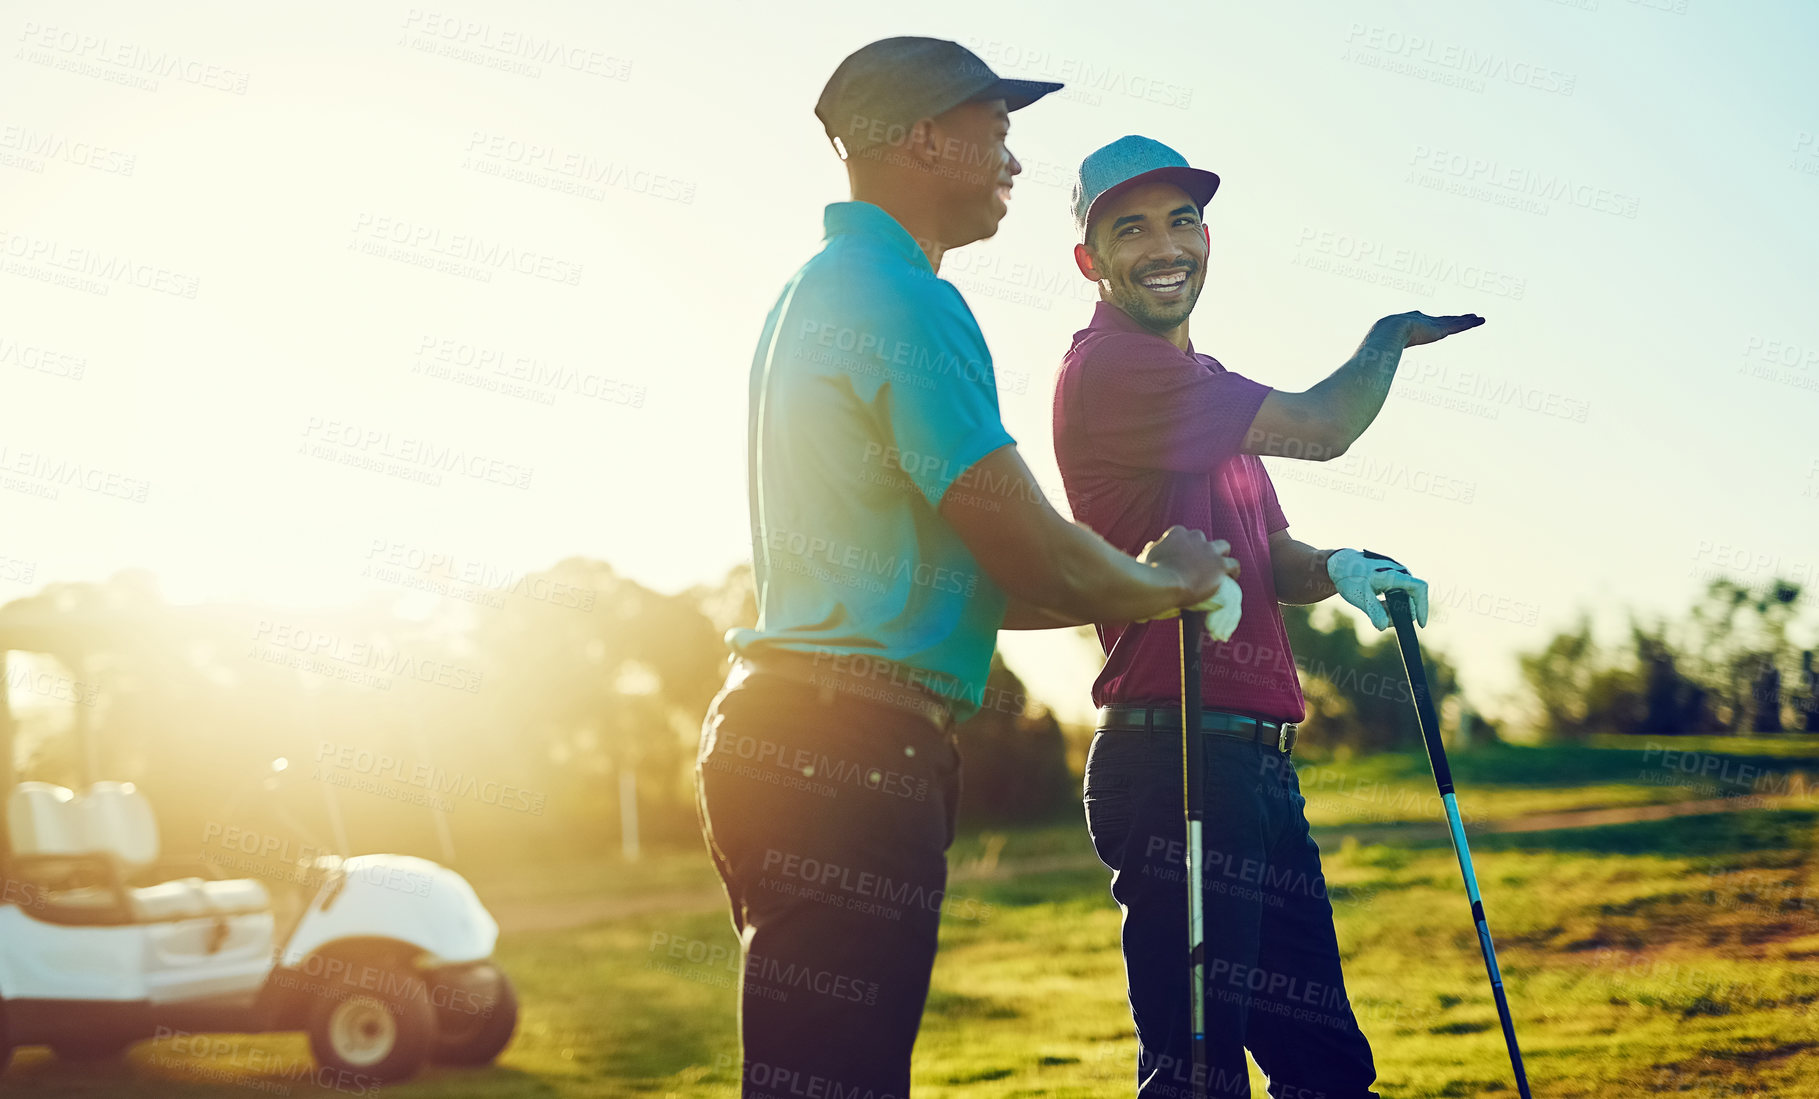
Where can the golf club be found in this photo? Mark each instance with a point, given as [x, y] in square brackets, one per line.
[1193, 628]
[1397, 604]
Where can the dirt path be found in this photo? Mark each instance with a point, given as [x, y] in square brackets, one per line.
[1592, 818]
[561, 915]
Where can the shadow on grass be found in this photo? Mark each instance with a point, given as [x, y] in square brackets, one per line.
[956, 1005]
[640, 1000]
[1558, 765]
[1759, 833]
[1083, 887]
[497, 1081]
[145, 1071]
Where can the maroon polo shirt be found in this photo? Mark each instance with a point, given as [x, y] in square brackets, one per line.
[1148, 436]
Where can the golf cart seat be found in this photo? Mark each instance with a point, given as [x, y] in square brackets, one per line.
[52, 827]
[187, 898]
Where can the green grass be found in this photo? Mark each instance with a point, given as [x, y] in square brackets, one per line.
[1667, 956]
[566, 875]
[1504, 781]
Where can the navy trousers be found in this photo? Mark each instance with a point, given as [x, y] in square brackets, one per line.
[1273, 981]
[829, 822]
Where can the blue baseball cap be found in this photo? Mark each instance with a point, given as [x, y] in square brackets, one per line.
[1130, 160]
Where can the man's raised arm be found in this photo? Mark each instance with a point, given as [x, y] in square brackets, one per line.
[1321, 423]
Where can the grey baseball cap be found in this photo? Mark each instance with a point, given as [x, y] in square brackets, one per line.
[883, 89]
[1129, 160]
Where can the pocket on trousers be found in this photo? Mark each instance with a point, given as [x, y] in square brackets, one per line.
[1109, 796]
[725, 785]
[1292, 784]
[948, 776]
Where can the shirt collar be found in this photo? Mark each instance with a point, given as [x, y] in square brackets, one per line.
[1109, 318]
[865, 219]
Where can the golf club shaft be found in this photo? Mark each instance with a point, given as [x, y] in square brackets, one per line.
[1397, 603]
[1193, 629]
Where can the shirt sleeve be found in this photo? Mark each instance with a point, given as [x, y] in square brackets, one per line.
[943, 409]
[1161, 411]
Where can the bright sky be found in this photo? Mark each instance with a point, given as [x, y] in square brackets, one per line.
[589, 211]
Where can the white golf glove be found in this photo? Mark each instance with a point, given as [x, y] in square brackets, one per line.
[1361, 576]
[1222, 609]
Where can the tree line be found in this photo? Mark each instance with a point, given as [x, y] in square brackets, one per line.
[525, 714]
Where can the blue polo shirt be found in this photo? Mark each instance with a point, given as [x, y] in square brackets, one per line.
[872, 397]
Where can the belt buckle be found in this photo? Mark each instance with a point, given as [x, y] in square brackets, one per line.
[1285, 736]
[941, 716]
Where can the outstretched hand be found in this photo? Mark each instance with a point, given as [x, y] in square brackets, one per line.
[1419, 328]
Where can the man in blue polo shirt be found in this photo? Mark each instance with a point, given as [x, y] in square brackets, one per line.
[889, 393]
[895, 530]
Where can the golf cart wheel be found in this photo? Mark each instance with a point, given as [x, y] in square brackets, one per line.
[382, 1033]
[88, 1049]
[476, 1012]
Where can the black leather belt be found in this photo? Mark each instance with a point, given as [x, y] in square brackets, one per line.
[804, 671]
[1125, 718]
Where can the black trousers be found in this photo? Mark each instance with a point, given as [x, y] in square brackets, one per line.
[829, 821]
[1273, 981]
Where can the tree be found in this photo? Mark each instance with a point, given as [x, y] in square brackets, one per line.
[1737, 642]
[1013, 757]
[1671, 703]
[1357, 692]
[1720, 668]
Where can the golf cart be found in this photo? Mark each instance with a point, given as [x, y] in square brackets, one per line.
[386, 966]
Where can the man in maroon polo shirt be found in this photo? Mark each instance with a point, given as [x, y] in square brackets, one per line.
[1148, 434]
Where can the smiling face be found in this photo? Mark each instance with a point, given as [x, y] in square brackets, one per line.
[947, 179]
[1146, 247]
[972, 167]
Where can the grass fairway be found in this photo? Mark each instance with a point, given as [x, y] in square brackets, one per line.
[1663, 956]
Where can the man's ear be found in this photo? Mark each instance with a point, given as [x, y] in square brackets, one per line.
[1206, 237]
[1083, 259]
[922, 144]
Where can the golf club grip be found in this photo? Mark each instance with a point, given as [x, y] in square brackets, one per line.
[1397, 604]
[1193, 632]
